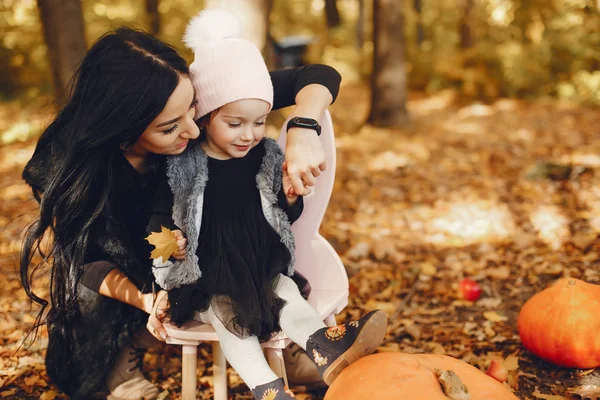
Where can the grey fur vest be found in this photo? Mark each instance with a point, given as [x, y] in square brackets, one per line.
[188, 174]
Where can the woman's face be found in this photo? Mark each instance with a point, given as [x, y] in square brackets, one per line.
[171, 130]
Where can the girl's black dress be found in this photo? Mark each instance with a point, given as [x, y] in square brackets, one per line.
[239, 253]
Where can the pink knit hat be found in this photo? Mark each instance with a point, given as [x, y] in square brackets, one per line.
[226, 67]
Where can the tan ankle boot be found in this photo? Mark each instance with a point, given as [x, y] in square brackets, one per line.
[125, 381]
[300, 369]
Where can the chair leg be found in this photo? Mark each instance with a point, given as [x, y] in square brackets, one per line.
[275, 359]
[188, 378]
[219, 373]
[330, 320]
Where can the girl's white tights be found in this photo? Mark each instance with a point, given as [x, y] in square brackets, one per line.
[245, 355]
[298, 321]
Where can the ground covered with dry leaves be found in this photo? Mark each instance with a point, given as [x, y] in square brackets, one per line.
[507, 194]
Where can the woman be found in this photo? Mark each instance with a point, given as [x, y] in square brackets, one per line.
[93, 172]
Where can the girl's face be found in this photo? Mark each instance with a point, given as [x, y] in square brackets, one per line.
[236, 128]
[171, 130]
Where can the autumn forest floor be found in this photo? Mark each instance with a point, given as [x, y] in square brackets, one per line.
[507, 194]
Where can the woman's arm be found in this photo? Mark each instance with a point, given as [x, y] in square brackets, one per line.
[304, 153]
[288, 83]
[314, 88]
[117, 285]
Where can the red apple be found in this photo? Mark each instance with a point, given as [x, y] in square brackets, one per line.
[470, 289]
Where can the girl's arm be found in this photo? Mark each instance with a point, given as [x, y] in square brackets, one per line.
[288, 201]
[293, 209]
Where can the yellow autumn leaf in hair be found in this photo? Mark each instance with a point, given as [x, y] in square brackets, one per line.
[164, 243]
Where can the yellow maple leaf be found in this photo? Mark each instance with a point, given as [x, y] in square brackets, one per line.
[164, 243]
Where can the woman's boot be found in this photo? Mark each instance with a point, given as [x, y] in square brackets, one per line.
[300, 369]
[125, 381]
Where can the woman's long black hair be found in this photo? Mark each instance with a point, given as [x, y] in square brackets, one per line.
[122, 84]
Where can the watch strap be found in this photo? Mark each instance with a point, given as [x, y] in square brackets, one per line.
[306, 123]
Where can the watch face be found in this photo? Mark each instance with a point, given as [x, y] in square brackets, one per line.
[305, 121]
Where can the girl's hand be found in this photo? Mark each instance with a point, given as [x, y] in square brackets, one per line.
[181, 243]
[286, 183]
[305, 159]
[156, 305]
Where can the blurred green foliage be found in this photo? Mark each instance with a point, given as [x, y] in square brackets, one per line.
[522, 48]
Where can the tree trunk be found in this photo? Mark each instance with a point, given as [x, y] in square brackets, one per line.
[525, 10]
[466, 33]
[418, 5]
[360, 25]
[62, 22]
[254, 15]
[268, 49]
[153, 16]
[332, 13]
[388, 99]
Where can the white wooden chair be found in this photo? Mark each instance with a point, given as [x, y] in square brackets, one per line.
[315, 259]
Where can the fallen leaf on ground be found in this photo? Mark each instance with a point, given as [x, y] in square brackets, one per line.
[49, 395]
[452, 385]
[585, 392]
[494, 316]
[511, 363]
[428, 269]
[539, 395]
[589, 388]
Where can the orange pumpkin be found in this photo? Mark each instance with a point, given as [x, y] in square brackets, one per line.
[561, 324]
[410, 377]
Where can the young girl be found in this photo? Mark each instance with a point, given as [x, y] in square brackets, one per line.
[233, 199]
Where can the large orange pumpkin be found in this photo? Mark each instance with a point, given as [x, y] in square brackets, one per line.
[410, 377]
[561, 324]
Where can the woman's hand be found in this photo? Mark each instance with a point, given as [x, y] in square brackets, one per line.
[181, 243]
[304, 158]
[156, 305]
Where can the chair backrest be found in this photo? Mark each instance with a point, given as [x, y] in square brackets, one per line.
[315, 257]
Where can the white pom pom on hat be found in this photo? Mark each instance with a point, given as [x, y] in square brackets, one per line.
[210, 26]
[226, 66]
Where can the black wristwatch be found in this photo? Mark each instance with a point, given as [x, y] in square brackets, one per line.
[306, 123]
